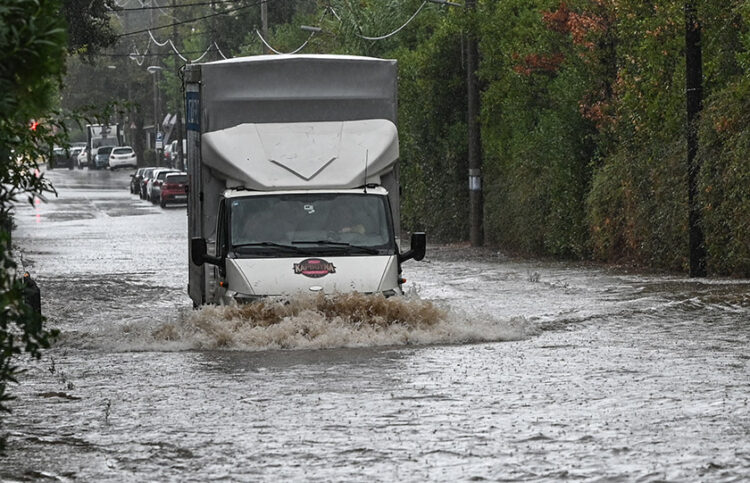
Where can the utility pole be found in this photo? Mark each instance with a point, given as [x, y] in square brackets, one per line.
[154, 60]
[476, 232]
[178, 123]
[132, 133]
[694, 95]
[264, 22]
[155, 72]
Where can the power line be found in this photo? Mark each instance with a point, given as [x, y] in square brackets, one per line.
[304, 44]
[153, 6]
[163, 12]
[325, 11]
[383, 37]
[181, 22]
[135, 55]
[154, 54]
[157, 7]
[168, 41]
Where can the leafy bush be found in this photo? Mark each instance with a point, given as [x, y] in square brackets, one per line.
[432, 130]
[537, 139]
[725, 179]
[32, 50]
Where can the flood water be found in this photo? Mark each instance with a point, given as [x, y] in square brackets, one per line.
[491, 368]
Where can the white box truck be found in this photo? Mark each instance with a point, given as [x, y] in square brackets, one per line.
[98, 135]
[293, 178]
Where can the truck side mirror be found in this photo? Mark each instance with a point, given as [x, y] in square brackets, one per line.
[199, 253]
[418, 248]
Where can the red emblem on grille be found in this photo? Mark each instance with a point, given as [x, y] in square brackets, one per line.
[314, 268]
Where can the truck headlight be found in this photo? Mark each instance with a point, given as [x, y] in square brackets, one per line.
[242, 298]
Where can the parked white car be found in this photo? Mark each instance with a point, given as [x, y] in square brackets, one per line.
[83, 158]
[122, 156]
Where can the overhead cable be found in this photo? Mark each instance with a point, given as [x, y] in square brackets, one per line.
[136, 55]
[157, 7]
[383, 37]
[156, 54]
[171, 44]
[304, 44]
[181, 22]
[163, 12]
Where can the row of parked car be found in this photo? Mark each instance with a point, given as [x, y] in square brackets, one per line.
[172, 154]
[112, 157]
[160, 185]
[66, 157]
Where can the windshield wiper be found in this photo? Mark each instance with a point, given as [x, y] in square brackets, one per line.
[372, 251]
[270, 244]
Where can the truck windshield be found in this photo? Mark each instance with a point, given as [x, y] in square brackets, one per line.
[97, 142]
[345, 223]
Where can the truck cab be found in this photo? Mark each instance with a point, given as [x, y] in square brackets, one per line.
[272, 244]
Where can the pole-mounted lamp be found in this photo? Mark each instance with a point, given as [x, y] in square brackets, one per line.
[154, 69]
[311, 29]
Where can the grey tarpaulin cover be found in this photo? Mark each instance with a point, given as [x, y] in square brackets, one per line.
[299, 88]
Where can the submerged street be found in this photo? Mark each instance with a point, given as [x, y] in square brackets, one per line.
[500, 369]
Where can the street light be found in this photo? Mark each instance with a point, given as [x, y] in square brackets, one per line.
[154, 69]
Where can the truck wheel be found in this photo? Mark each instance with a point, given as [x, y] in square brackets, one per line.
[163, 204]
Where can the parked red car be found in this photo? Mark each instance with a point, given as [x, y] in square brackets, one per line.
[174, 189]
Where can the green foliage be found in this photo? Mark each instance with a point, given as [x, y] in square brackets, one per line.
[725, 179]
[31, 61]
[638, 207]
[638, 203]
[538, 146]
[432, 130]
[32, 49]
[88, 24]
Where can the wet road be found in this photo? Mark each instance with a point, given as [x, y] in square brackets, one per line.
[499, 369]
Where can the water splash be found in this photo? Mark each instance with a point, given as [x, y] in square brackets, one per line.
[307, 322]
[344, 320]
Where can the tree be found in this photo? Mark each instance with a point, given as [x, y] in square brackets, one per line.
[89, 28]
[32, 55]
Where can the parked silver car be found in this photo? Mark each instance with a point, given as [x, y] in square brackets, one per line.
[153, 185]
